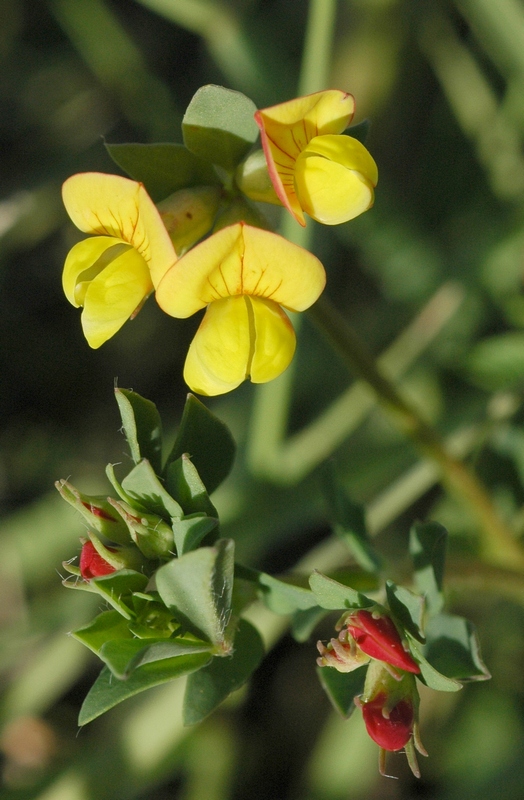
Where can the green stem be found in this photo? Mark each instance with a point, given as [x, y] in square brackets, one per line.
[316, 61]
[497, 541]
[272, 400]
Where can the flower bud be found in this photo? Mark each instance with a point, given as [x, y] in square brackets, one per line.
[96, 511]
[114, 557]
[390, 711]
[252, 178]
[189, 214]
[389, 728]
[153, 537]
[376, 634]
[92, 565]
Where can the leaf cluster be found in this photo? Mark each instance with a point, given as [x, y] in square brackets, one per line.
[178, 610]
[177, 614]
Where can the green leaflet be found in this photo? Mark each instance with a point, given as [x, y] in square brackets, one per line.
[107, 691]
[219, 126]
[207, 441]
[208, 687]
[197, 587]
[142, 427]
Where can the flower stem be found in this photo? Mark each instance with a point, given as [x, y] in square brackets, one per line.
[318, 42]
[498, 543]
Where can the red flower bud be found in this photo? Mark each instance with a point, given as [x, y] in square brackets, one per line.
[92, 565]
[390, 710]
[390, 729]
[378, 637]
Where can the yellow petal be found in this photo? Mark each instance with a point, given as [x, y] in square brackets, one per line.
[114, 295]
[286, 129]
[83, 263]
[110, 205]
[347, 151]
[275, 341]
[241, 259]
[334, 178]
[218, 357]
[239, 337]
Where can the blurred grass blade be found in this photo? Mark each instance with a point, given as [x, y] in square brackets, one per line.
[218, 24]
[119, 65]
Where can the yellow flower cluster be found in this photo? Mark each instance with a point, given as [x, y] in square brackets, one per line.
[242, 275]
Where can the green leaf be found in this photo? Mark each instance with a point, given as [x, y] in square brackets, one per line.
[162, 168]
[305, 621]
[453, 648]
[118, 587]
[143, 485]
[208, 687]
[104, 628]
[142, 427]
[407, 608]
[219, 125]
[198, 587]
[124, 656]
[190, 531]
[349, 521]
[342, 687]
[107, 691]
[110, 472]
[183, 481]
[427, 547]
[157, 651]
[118, 654]
[428, 674]
[334, 595]
[207, 441]
[283, 597]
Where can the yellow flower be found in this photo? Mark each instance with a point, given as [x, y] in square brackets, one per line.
[313, 168]
[111, 274]
[243, 275]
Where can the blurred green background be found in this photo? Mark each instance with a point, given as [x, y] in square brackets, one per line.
[432, 277]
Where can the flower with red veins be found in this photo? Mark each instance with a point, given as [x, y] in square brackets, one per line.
[314, 169]
[111, 274]
[92, 565]
[244, 277]
[377, 636]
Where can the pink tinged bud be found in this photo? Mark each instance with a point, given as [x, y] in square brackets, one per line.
[98, 512]
[379, 638]
[392, 728]
[92, 565]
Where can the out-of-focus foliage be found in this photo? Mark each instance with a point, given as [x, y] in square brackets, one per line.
[432, 279]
